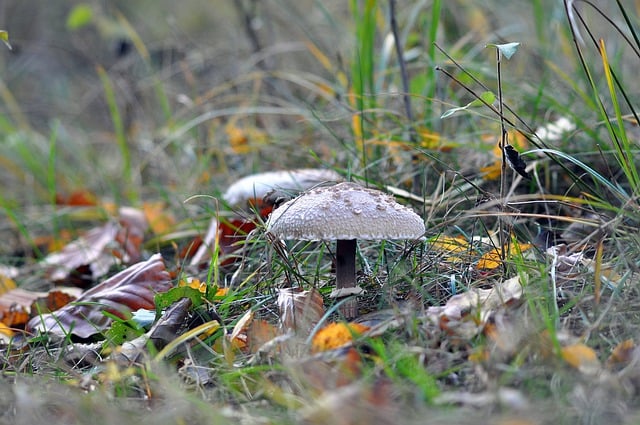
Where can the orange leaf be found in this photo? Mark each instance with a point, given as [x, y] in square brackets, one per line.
[622, 354]
[579, 356]
[77, 198]
[336, 335]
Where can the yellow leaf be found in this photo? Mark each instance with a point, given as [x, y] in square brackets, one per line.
[492, 259]
[450, 244]
[579, 355]
[159, 219]
[202, 286]
[336, 335]
[5, 330]
[493, 171]
[238, 140]
[6, 284]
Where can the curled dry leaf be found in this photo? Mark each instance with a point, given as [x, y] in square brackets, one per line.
[131, 289]
[114, 243]
[299, 310]
[18, 305]
[466, 314]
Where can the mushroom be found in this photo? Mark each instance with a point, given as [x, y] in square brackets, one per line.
[345, 212]
[254, 187]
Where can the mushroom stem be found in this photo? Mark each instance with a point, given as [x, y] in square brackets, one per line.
[346, 273]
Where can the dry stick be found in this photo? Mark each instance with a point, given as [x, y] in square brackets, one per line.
[417, 182]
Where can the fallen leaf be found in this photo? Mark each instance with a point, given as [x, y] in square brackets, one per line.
[299, 310]
[465, 315]
[101, 248]
[5, 332]
[622, 354]
[159, 219]
[238, 336]
[259, 333]
[580, 356]
[493, 258]
[77, 198]
[131, 289]
[336, 335]
[451, 246]
[6, 284]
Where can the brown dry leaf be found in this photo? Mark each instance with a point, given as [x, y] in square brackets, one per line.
[131, 289]
[580, 357]
[100, 248]
[54, 300]
[358, 403]
[259, 333]
[336, 335]
[299, 310]
[466, 314]
[17, 306]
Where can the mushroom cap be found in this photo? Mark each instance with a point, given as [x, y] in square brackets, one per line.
[256, 186]
[344, 211]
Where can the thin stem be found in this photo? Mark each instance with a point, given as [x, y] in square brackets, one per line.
[417, 183]
[502, 144]
[346, 273]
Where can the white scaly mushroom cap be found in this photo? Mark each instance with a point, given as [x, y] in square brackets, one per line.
[344, 211]
[256, 186]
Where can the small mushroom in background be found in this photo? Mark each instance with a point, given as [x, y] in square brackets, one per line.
[263, 189]
[253, 188]
[345, 212]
